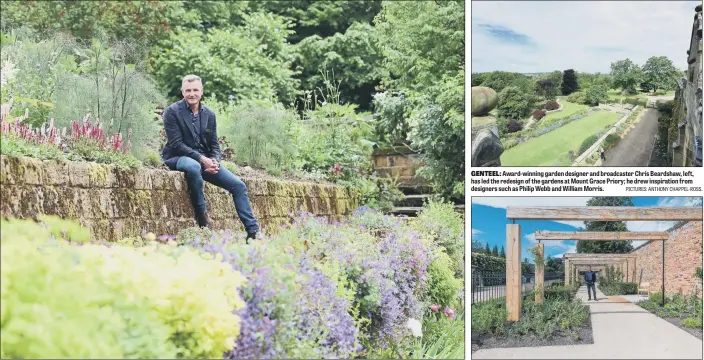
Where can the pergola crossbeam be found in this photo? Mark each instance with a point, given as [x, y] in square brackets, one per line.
[605, 213]
[601, 235]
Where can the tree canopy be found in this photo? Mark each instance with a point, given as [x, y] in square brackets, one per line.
[606, 247]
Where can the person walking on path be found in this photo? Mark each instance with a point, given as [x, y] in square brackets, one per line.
[590, 279]
[193, 148]
[603, 155]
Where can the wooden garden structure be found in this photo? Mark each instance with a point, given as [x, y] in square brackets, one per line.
[585, 213]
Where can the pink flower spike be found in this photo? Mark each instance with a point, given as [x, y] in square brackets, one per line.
[449, 313]
[435, 307]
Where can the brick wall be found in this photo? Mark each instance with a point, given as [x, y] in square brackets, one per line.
[114, 203]
[683, 254]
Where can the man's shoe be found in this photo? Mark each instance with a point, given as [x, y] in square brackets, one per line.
[202, 220]
[252, 235]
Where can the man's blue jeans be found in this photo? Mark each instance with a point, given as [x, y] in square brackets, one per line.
[224, 179]
[591, 286]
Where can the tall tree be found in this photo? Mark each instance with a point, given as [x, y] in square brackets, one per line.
[660, 73]
[495, 252]
[626, 75]
[569, 82]
[546, 88]
[503, 252]
[487, 250]
[606, 247]
[477, 246]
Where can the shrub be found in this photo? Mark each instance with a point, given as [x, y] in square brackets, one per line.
[538, 114]
[558, 293]
[514, 103]
[557, 284]
[666, 107]
[440, 222]
[489, 317]
[587, 143]
[578, 97]
[692, 322]
[596, 95]
[150, 302]
[442, 284]
[552, 105]
[513, 126]
[484, 262]
[611, 140]
[628, 288]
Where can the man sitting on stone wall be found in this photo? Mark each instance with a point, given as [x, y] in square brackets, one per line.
[192, 147]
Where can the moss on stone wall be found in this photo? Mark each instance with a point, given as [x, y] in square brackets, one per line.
[115, 203]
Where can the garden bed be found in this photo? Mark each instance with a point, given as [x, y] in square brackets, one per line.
[560, 338]
[697, 332]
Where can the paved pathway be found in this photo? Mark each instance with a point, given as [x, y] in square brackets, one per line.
[621, 330]
[635, 148]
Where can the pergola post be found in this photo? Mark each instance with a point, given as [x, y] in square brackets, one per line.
[513, 272]
[539, 275]
[566, 264]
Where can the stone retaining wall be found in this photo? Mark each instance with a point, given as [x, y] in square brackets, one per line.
[683, 254]
[400, 163]
[115, 203]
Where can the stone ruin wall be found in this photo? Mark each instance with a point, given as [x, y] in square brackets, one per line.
[687, 138]
[115, 203]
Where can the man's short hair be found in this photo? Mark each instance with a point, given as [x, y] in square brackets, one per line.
[191, 78]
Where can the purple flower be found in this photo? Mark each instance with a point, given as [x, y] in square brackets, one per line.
[435, 307]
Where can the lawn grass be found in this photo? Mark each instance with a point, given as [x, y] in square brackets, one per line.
[549, 148]
[568, 109]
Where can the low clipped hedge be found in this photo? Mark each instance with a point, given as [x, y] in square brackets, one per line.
[611, 140]
[559, 293]
[587, 143]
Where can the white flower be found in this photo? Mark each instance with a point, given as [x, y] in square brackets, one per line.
[415, 326]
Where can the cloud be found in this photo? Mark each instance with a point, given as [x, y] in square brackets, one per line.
[663, 225]
[506, 35]
[583, 35]
[571, 249]
[475, 233]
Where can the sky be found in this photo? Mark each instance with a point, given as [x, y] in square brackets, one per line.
[543, 36]
[489, 221]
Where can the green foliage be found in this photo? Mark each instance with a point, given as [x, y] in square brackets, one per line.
[499, 80]
[19, 147]
[390, 109]
[442, 284]
[692, 323]
[352, 56]
[545, 319]
[587, 143]
[489, 317]
[596, 95]
[628, 288]
[578, 97]
[333, 134]
[558, 292]
[660, 73]
[587, 80]
[150, 158]
[134, 21]
[375, 192]
[514, 103]
[626, 75]
[606, 247]
[146, 303]
[443, 338]
[440, 222]
[247, 62]
[666, 107]
[424, 47]
[698, 273]
[569, 82]
[611, 140]
[260, 131]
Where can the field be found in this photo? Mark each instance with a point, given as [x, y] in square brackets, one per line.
[549, 148]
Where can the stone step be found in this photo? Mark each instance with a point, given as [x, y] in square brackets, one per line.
[414, 210]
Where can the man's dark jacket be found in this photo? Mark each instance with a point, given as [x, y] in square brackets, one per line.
[590, 279]
[181, 134]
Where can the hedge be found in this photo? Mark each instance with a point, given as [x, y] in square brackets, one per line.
[559, 293]
[488, 263]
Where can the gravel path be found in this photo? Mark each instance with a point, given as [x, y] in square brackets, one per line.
[635, 148]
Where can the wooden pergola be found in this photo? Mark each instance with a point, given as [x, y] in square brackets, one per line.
[586, 213]
[625, 262]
